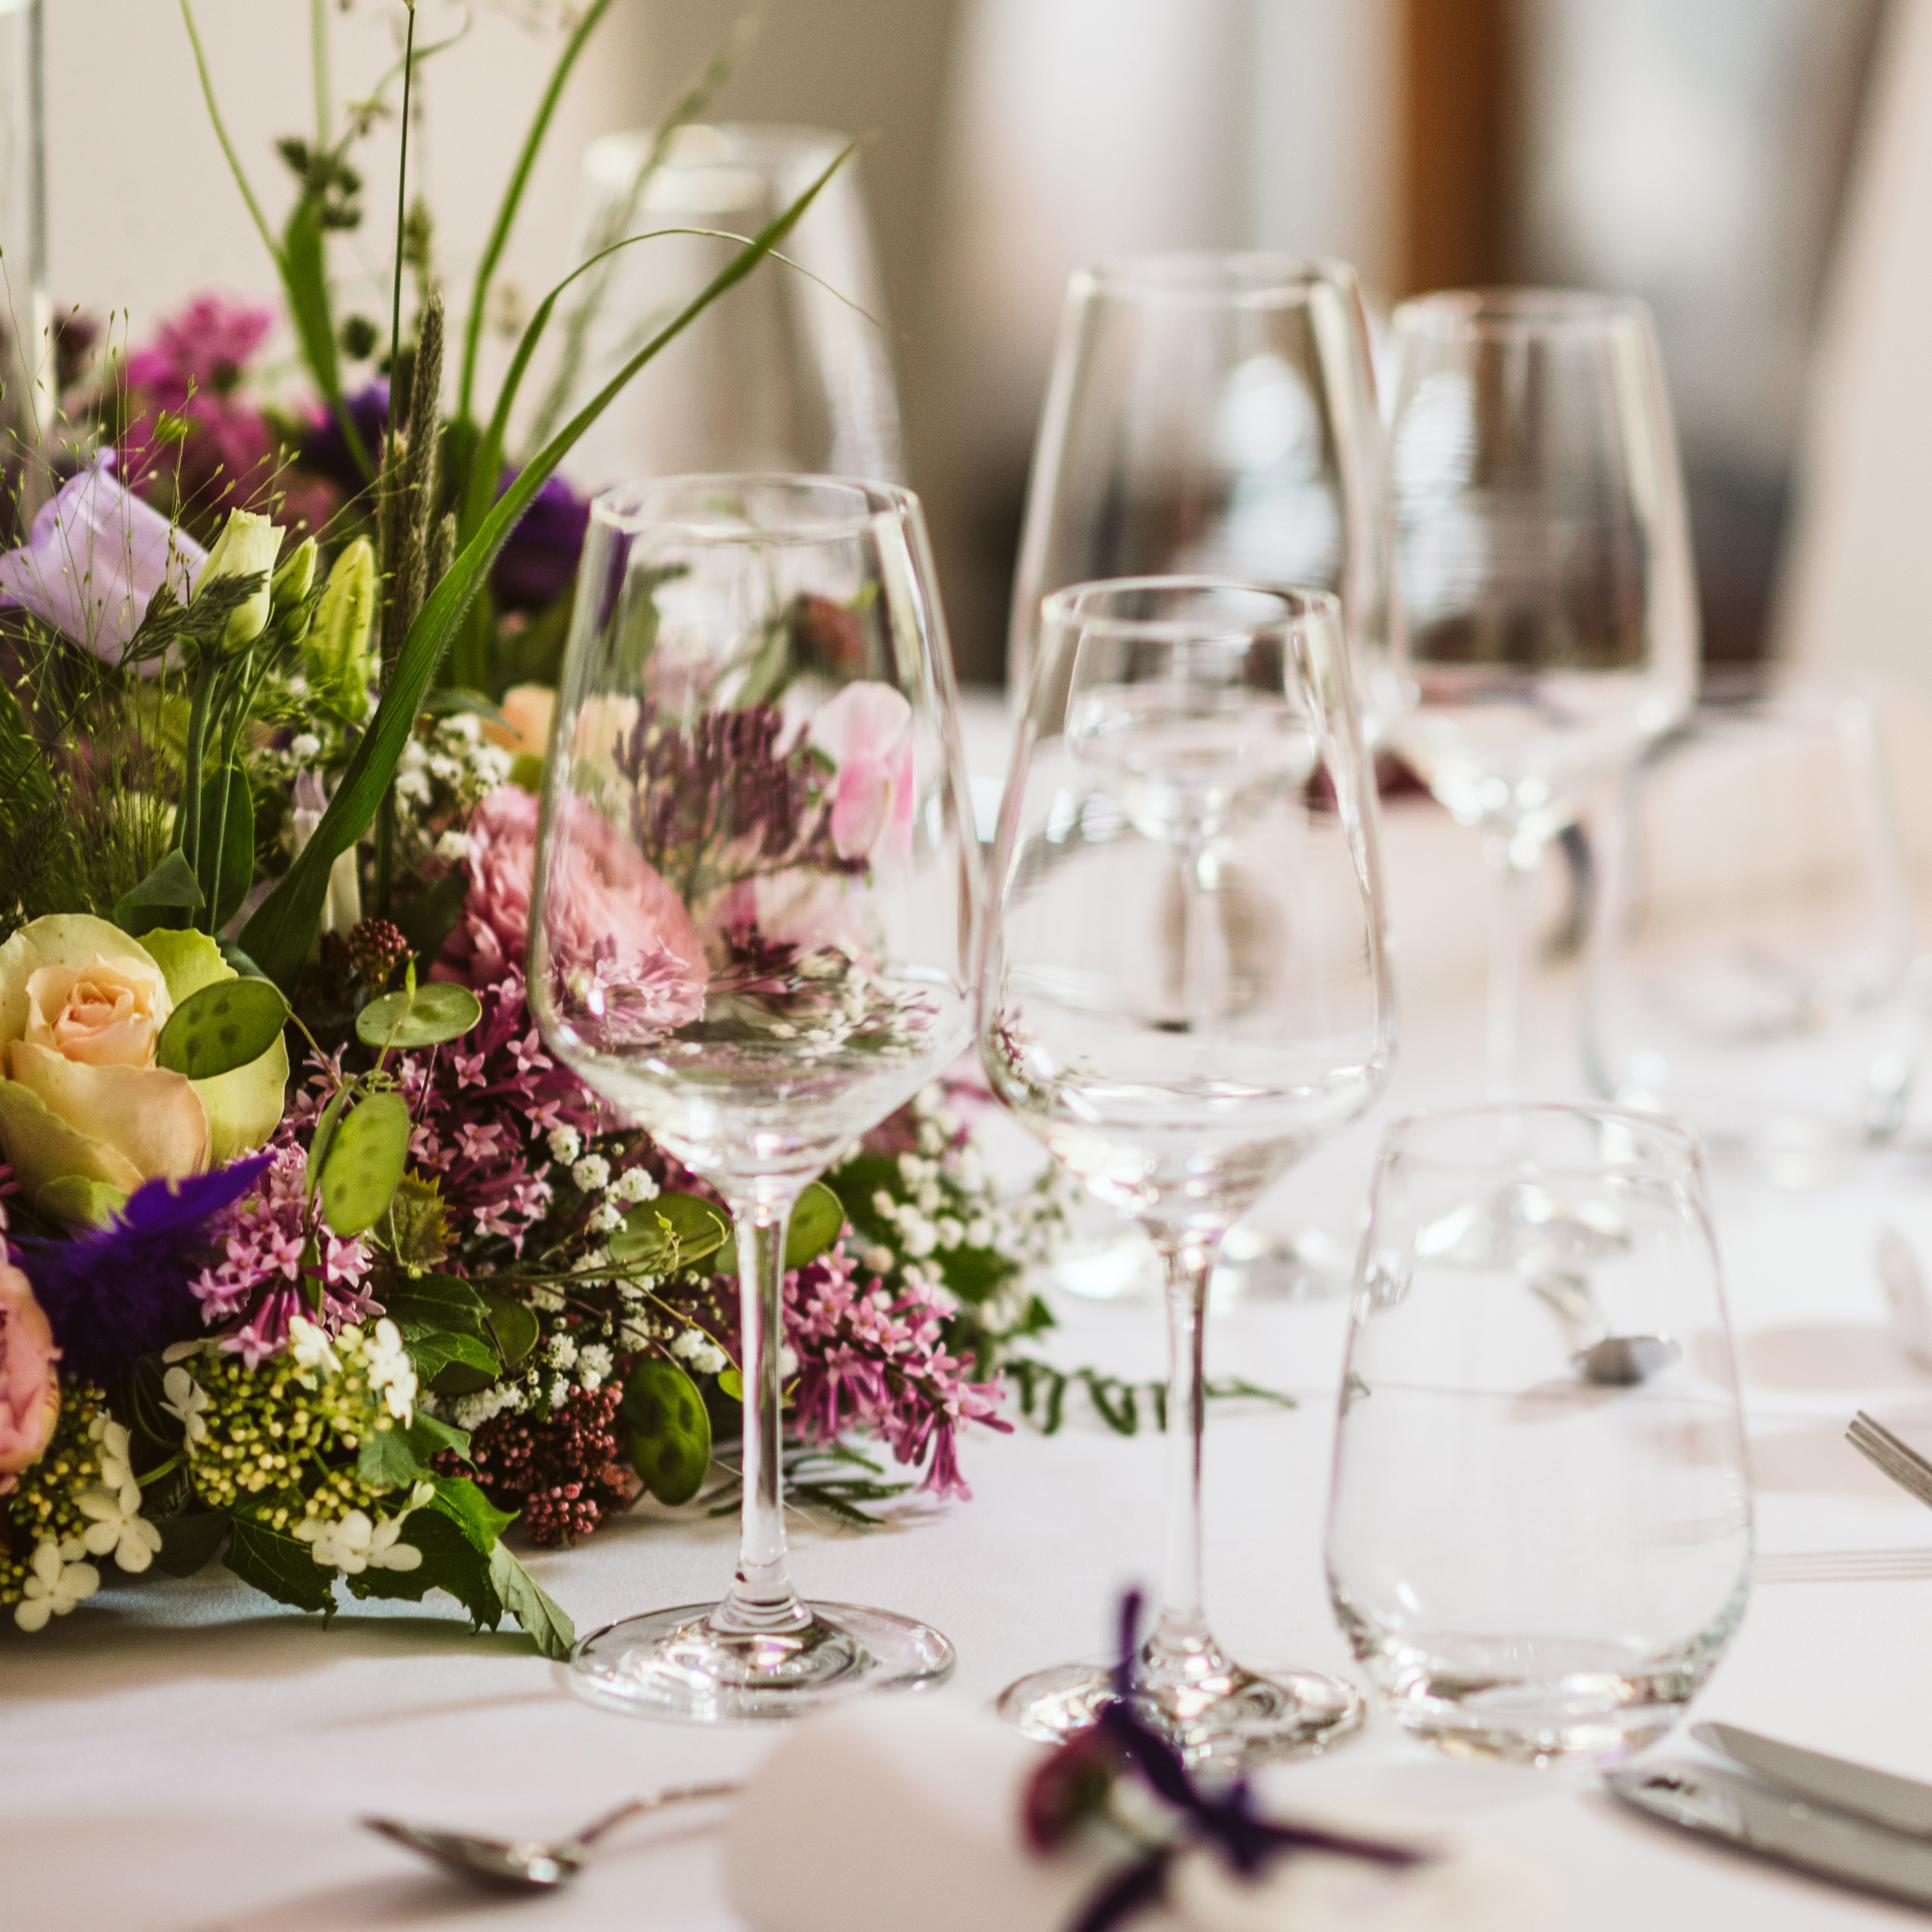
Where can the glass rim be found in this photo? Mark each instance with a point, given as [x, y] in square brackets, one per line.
[1063, 609]
[621, 507]
[1682, 1143]
[611, 160]
[1507, 312]
[1210, 277]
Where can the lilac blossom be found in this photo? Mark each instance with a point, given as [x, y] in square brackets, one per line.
[279, 1260]
[93, 561]
[868, 1361]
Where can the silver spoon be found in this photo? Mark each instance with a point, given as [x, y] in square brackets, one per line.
[532, 1864]
[1611, 1361]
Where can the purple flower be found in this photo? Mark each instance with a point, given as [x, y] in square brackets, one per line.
[94, 559]
[324, 449]
[127, 1289]
[204, 349]
[538, 563]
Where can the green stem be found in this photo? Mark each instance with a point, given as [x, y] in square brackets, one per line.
[230, 705]
[318, 51]
[261, 220]
[187, 819]
[402, 217]
[513, 195]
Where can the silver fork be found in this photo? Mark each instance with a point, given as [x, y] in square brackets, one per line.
[1891, 1456]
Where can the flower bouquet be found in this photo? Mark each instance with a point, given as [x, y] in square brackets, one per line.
[313, 1261]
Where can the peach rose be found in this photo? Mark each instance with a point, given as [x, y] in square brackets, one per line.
[29, 1389]
[527, 711]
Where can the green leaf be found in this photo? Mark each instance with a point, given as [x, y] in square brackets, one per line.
[513, 1326]
[224, 1026]
[280, 933]
[305, 279]
[450, 1561]
[669, 1233]
[234, 869]
[731, 1383]
[428, 918]
[554, 1633]
[79, 1201]
[430, 1438]
[387, 1458]
[167, 896]
[817, 1222]
[670, 1433]
[280, 1567]
[323, 1139]
[464, 1504]
[455, 1364]
[418, 1237]
[365, 1160]
[418, 1016]
[191, 1543]
[429, 1304]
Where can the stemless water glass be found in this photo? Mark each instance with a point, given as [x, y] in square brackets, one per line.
[1547, 614]
[1212, 414]
[1753, 979]
[1539, 1529]
[1183, 991]
[787, 372]
[751, 932]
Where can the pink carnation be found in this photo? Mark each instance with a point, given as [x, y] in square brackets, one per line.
[29, 1389]
[867, 729]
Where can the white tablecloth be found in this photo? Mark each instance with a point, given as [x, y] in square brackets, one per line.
[184, 1755]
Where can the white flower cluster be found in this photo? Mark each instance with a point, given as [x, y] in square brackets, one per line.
[442, 774]
[356, 1542]
[59, 1573]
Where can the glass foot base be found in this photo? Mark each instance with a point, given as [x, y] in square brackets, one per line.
[1229, 1723]
[672, 1664]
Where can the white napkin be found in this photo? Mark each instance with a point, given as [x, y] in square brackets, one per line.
[903, 1812]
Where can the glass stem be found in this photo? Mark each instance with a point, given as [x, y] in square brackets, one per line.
[761, 1600]
[1182, 1645]
[1514, 857]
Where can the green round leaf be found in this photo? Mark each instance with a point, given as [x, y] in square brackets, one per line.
[512, 1323]
[365, 1160]
[669, 1233]
[670, 1431]
[224, 1026]
[425, 1016]
[817, 1222]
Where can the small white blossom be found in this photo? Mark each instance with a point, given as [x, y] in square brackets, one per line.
[304, 746]
[877, 1260]
[692, 1345]
[390, 1368]
[453, 846]
[309, 1347]
[604, 1218]
[787, 1362]
[635, 1186]
[949, 1231]
[565, 1144]
[115, 1527]
[592, 1175]
[185, 1398]
[117, 1465]
[547, 1300]
[594, 1364]
[58, 1580]
[562, 1351]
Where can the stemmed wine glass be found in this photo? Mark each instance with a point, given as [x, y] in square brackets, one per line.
[1183, 990]
[1546, 604]
[752, 933]
[1211, 413]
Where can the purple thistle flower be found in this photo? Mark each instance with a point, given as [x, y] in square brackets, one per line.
[538, 563]
[125, 1290]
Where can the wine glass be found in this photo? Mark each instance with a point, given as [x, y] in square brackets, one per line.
[787, 372]
[1184, 990]
[752, 932]
[1211, 413]
[1546, 612]
[1540, 1524]
[1754, 980]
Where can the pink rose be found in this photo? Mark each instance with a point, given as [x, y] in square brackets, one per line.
[486, 947]
[29, 1390]
[868, 730]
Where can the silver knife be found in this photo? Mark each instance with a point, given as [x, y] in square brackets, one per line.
[1740, 1810]
[1901, 1803]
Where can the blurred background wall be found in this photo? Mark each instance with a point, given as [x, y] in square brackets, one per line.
[1695, 151]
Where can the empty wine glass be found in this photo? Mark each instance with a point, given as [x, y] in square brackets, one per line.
[1214, 414]
[752, 932]
[787, 372]
[1750, 951]
[1539, 1543]
[1546, 609]
[1183, 991]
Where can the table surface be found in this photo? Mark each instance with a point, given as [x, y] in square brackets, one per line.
[186, 1755]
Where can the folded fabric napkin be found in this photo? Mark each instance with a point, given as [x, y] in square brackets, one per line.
[902, 1812]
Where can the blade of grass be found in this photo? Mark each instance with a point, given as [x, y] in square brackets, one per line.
[235, 167]
[513, 195]
[278, 937]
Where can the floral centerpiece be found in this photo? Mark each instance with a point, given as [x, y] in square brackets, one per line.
[313, 1260]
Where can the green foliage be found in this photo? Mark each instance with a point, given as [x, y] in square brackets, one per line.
[223, 1026]
[669, 1234]
[832, 1477]
[669, 1432]
[191, 1541]
[417, 1234]
[169, 896]
[228, 866]
[1043, 1390]
[418, 1016]
[279, 1566]
[817, 1222]
[366, 1156]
